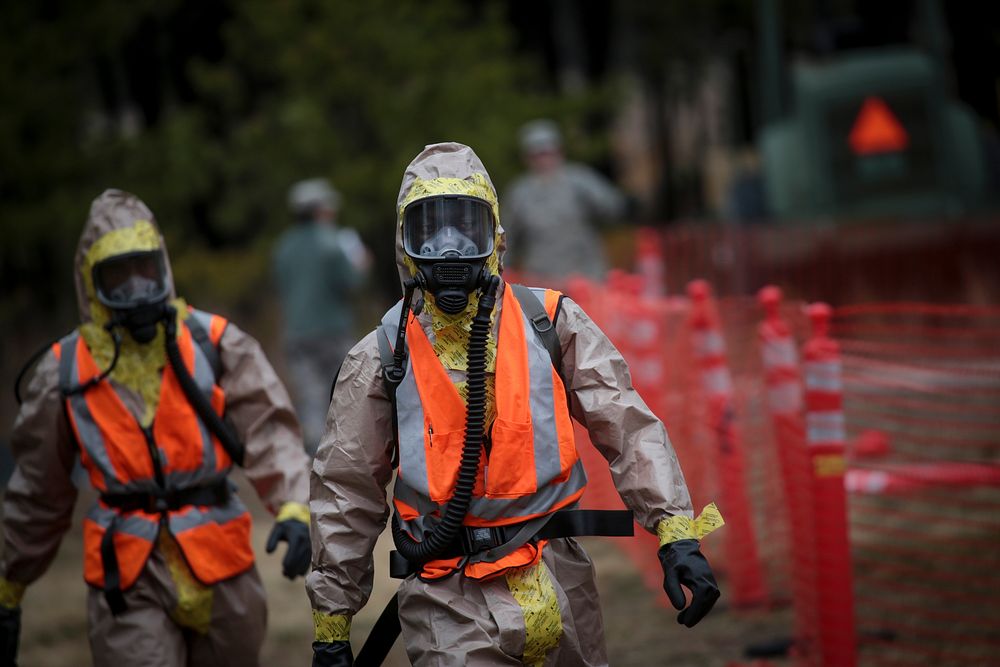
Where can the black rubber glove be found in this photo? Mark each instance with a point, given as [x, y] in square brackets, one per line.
[299, 553]
[10, 632]
[332, 654]
[684, 564]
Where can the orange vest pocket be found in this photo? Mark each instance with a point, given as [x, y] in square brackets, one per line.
[511, 471]
[131, 552]
[217, 551]
[443, 453]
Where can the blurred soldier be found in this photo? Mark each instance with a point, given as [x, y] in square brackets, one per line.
[464, 387]
[318, 266]
[552, 212]
[138, 392]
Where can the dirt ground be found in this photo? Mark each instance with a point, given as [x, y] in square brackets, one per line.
[641, 631]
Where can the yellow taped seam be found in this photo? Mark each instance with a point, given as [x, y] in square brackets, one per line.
[829, 465]
[292, 510]
[194, 599]
[140, 237]
[533, 591]
[11, 593]
[331, 627]
[476, 185]
[680, 527]
[139, 365]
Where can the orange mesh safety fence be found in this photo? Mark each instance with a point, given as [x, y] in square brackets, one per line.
[922, 399]
[888, 556]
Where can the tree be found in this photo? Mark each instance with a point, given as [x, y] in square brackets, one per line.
[210, 109]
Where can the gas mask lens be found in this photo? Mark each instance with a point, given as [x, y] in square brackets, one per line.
[135, 279]
[448, 227]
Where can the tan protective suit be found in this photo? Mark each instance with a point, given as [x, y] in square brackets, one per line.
[458, 621]
[171, 620]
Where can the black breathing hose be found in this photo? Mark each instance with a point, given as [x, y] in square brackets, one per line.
[195, 396]
[438, 539]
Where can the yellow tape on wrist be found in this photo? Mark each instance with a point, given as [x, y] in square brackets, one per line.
[296, 511]
[332, 628]
[11, 593]
[682, 528]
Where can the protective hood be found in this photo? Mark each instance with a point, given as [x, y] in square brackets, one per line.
[446, 168]
[120, 223]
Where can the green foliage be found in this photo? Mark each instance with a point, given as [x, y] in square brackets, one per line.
[281, 90]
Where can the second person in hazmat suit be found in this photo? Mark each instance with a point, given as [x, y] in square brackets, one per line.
[461, 386]
[137, 394]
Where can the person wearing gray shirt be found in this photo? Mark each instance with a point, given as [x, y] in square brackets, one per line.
[317, 268]
[552, 212]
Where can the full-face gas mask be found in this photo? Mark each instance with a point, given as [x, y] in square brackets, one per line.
[449, 238]
[134, 287]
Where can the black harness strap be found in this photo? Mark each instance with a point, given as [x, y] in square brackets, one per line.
[544, 327]
[391, 383]
[502, 540]
[170, 499]
[382, 636]
[579, 523]
[112, 574]
[160, 501]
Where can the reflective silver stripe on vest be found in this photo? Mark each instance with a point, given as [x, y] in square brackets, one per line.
[410, 412]
[91, 439]
[204, 319]
[205, 379]
[542, 402]
[412, 485]
[136, 525]
[194, 516]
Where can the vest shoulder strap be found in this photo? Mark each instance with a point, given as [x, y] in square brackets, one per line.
[67, 361]
[544, 327]
[387, 361]
[199, 332]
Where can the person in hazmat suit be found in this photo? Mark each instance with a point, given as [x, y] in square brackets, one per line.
[460, 387]
[137, 394]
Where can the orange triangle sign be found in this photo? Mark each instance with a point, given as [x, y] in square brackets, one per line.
[877, 130]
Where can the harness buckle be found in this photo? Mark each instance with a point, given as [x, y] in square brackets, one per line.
[541, 322]
[481, 538]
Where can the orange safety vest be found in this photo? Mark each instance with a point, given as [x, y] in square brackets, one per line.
[118, 452]
[532, 468]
